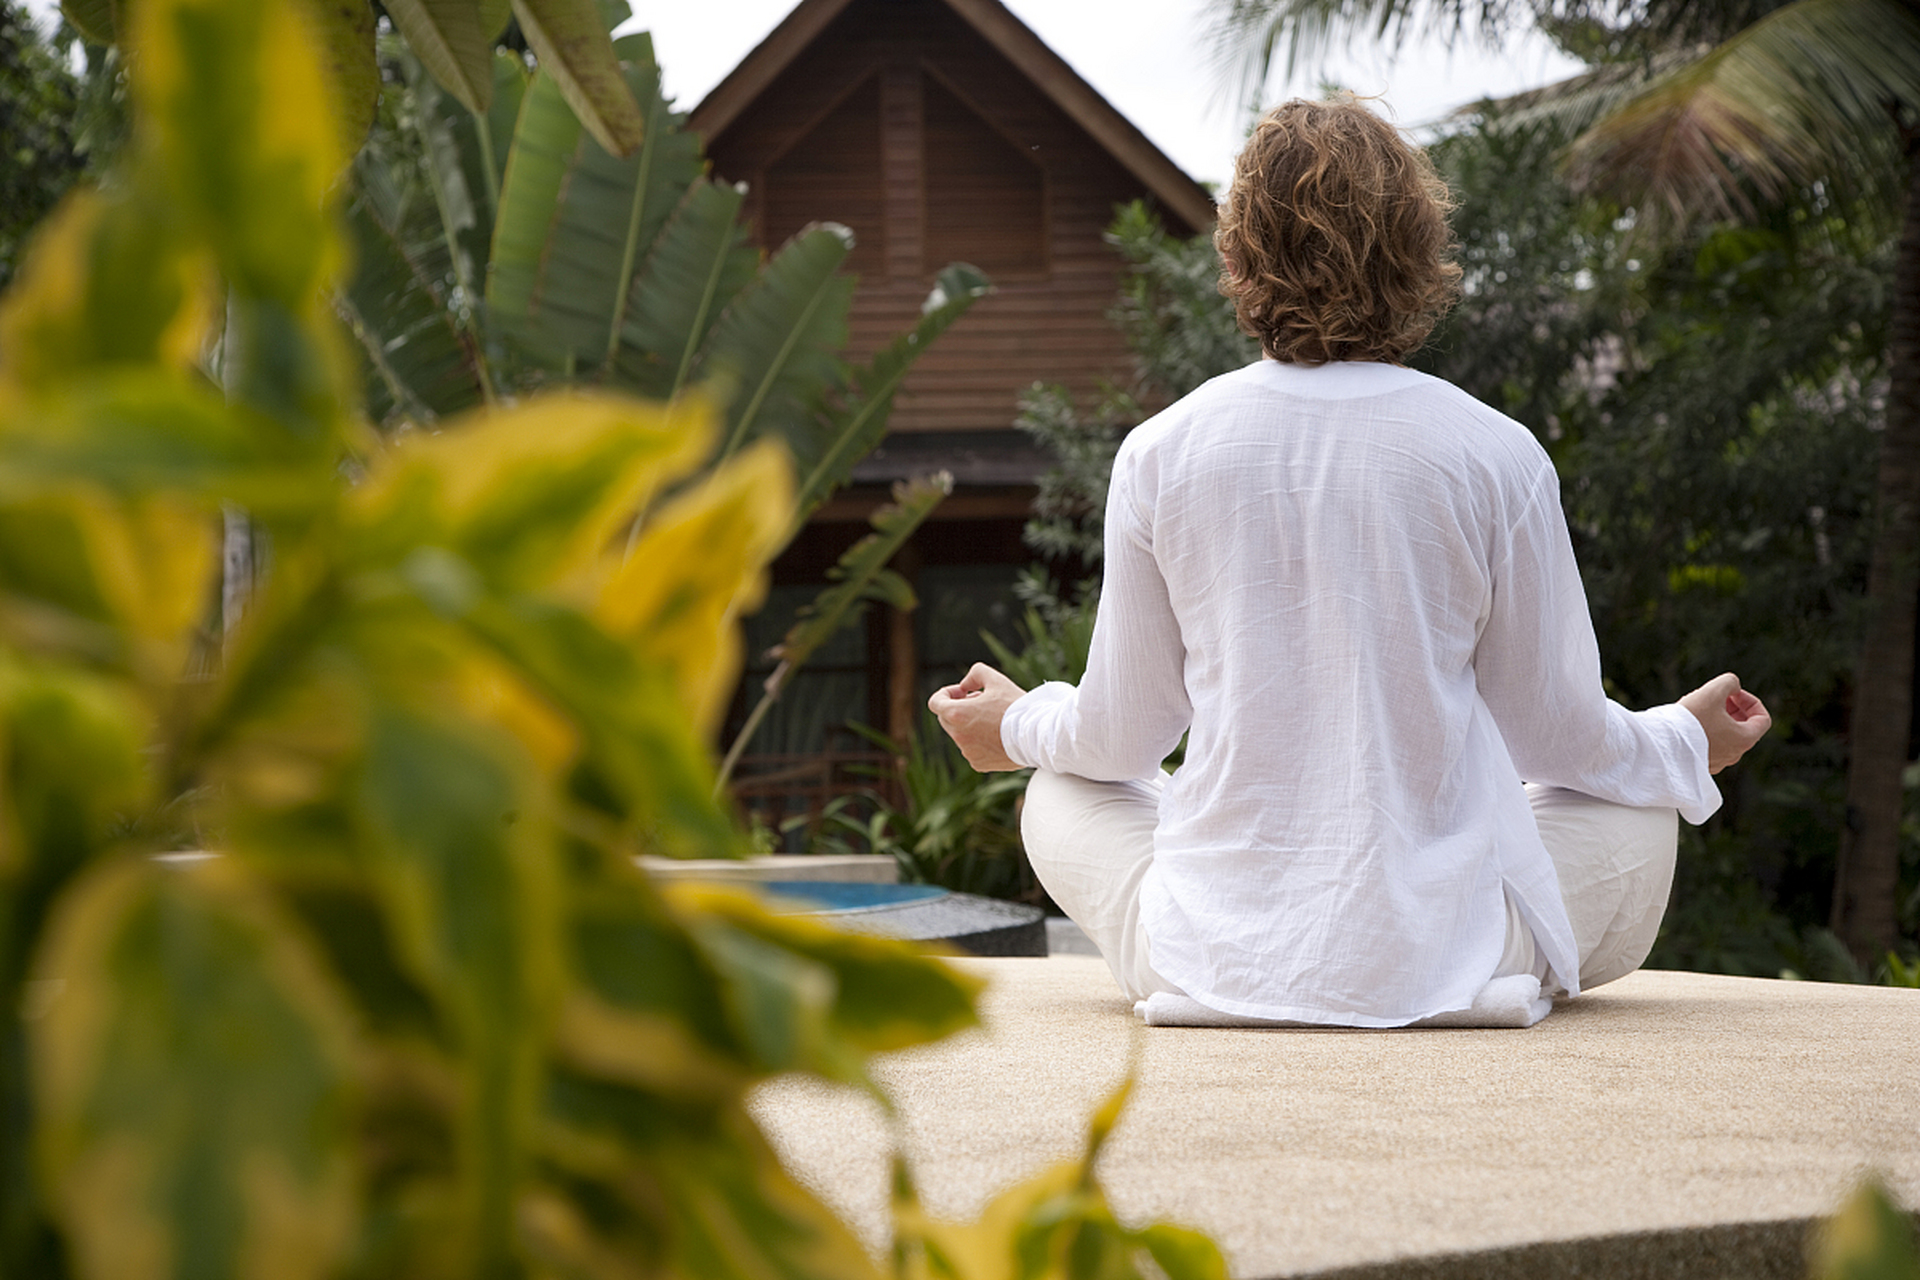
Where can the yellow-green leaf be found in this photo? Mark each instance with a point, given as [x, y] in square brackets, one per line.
[1869, 1239]
[1184, 1254]
[345, 30]
[779, 1002]
[71, 752]
[449, 38]
[571, 42]
[533, 494]
[468, 875]
[193, 1080]
[154, 561]
[696, 568]
[886, 994]
[247, 129]
[654, 1051]
[104, 284]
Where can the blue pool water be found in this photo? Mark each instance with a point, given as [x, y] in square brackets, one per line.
[840, 895]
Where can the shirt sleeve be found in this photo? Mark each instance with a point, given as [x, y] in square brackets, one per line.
[1131, 707]
[1537, 667]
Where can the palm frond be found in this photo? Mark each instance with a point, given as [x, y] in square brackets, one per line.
[1251, 37]
[1571, 106]
[1805, 95]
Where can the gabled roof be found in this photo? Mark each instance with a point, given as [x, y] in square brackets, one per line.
[1016, 42]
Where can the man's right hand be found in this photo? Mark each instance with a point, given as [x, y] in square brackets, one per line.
[1733, 718]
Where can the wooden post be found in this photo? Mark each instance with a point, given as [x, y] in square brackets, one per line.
[903, 656]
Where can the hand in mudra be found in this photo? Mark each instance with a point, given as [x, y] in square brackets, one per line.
[971, 712]
[1733, 718]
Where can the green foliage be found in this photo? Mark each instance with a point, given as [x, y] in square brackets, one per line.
[861, 575]
[40, 156]
[503, 253]
[1713, 410]
[1070, 508]
[453, 39]
[423, 1016]
[633, 273]
[1180, 329]
[1547, 276]
[953, 826]
[1055, 639]
[567, 206]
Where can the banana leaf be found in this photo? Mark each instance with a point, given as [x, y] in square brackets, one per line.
[396, 303]
[446, 36]
[826, 454]
[444, 131]
[426, 186]
[569, 37]
[701, 261]
[860, 576]
[780, 337]
[97, 20]
[575, 222]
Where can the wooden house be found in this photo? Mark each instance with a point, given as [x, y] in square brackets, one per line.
[939, 131]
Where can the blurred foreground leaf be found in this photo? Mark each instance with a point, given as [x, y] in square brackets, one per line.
[1057, 1225]
[194, 1076]
[1869, 1239]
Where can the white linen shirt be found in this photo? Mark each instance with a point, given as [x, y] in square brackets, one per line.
[1353, 584]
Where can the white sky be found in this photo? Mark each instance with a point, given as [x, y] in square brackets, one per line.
[1150, 59]
[1147, 57]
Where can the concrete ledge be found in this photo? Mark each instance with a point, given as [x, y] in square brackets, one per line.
[1739, 1251]
[862, 868]
[1646, 1129]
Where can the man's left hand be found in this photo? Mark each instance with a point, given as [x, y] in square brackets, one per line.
[971, 712]
[1733, 719]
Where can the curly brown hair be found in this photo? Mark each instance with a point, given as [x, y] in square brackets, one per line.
[1333, 240]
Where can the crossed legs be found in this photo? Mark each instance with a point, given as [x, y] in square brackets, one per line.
[1091, 843]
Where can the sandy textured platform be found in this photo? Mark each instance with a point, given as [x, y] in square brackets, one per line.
[1679, 1116]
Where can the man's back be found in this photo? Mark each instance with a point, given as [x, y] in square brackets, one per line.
[1324, 535]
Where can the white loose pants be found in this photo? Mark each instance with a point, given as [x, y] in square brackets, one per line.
[1091, 843]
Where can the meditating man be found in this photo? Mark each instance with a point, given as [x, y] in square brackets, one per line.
[1351, 586]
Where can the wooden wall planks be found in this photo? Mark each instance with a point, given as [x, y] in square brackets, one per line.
[902, 122]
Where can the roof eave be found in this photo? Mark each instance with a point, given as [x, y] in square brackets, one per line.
[1016, 42]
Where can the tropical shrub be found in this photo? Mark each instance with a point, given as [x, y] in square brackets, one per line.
[39, 109]
[506, 251]
[943, 822]
[421, 1015]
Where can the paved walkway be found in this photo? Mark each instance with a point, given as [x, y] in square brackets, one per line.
[1693, 1121]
